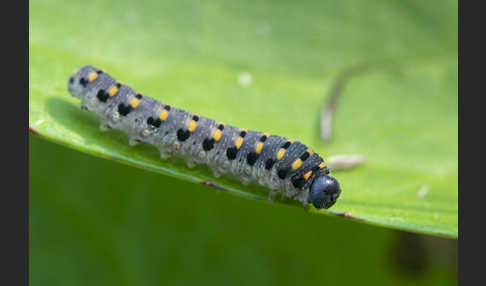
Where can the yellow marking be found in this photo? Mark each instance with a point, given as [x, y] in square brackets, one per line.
[163, 115]
[192, 126]
[113, 91]
[291, 141]
[307, 175]
[134, 102]
[296, 164]
[259, 147]
[92, 77]
[238, 142]
[217, 135]
[321, 166]
[244, 129]
[310, 151]
[280, 153]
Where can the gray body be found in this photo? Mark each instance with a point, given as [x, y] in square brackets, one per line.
[165, 137]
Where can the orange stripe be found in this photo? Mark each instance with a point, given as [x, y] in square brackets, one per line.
[192, 126]
[92, 77]
[112, 91]
[259, 147]
[307, 175]
[238, 142]
[217, 135]
[296, 164]
[134, 102]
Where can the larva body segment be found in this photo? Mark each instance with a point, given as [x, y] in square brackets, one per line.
[284, 166]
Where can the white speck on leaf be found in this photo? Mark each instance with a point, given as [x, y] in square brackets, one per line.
[38, 122]
[264, 29]
[245, 79]
[423, 191]
[131, 16]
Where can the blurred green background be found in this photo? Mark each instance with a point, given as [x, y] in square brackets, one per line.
[95, 221]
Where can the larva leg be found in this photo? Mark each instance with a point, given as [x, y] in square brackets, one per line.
[133, 142]
[176, 146]
[104, 126]
[201, 155]
[190, 163]
[271, 195]
[216, 173]
[245, 181]
[302, 196]
[146, 133]
[164, 155]
[247, 170]
[283, 197]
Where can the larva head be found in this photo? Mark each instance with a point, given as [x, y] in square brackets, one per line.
[324, 192]
[79, 80]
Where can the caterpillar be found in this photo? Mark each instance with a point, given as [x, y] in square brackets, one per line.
[286, 167]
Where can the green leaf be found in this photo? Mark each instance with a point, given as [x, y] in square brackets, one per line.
[401, 114]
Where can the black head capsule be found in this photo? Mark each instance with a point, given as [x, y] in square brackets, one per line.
[324, 192]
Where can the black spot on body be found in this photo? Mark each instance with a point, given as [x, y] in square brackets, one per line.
[118, 85]
[124, 109]
[251, 158]
[286, 145]
[282, 173]
[182, 135]
[298, 182]
[231, 153]
[243, 134]
[221, 127]
[305, 156]
[263, 138]
[208, 144]
[195, 118]
[83, 82]
[154, 122]
[167, 107]
[138, 96]
[102, 95]
[269, 164]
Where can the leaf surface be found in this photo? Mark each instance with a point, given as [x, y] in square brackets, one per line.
[270, 66]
